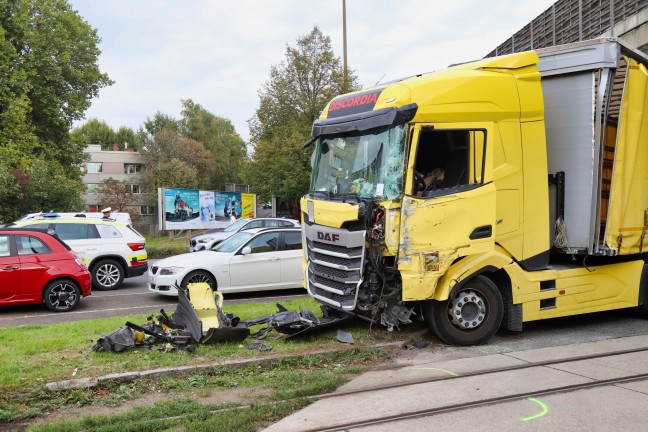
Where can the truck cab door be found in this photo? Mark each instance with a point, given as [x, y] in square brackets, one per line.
[449, 204]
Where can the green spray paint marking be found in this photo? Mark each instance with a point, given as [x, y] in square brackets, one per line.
[431, 368]
[544, 411]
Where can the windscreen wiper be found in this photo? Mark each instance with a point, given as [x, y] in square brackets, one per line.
[343, 197]
[326, 194]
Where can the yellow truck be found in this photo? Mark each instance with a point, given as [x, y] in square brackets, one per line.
[485, 195]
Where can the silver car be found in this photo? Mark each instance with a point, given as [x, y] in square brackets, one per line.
[212, 238]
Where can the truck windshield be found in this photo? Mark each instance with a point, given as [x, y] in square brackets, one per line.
[367, 164]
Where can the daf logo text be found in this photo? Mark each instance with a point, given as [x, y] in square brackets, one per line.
[328, 236]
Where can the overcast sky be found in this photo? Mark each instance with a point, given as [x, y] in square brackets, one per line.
[219, 53]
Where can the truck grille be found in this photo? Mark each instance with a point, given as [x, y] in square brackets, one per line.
[334, 271]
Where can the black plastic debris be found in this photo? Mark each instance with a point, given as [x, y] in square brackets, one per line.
[291, 323]
[258, 346]
[116, 341]
[344, 337]
[199, 321]
[415, 345]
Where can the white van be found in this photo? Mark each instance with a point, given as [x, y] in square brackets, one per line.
[112, 250]
[117, 216]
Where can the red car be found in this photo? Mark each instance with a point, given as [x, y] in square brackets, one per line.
[38, 267]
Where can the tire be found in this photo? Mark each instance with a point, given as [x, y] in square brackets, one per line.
[198, 276]
[470, 317]
[107, 275]
[61, 295]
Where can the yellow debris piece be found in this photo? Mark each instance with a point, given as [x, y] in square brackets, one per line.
[203, 300]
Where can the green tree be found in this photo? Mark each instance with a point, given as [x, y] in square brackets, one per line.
[219, 137]
[159, 123]
[94, 131]
[125, 137]
[11, 195]
[48, 76]
[296, 92]
[175, 161]
[44, 186]
[115, 194]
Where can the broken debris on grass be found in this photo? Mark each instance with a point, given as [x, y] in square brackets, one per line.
[200, 319]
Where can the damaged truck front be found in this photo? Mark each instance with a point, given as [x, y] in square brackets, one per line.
[444, 190]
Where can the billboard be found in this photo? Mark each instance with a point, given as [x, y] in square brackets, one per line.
[198, 209]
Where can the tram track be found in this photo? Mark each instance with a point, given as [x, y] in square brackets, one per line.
[407, 414]
[483, 372]
[476, 404]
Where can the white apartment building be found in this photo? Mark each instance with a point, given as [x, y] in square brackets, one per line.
[123, 165]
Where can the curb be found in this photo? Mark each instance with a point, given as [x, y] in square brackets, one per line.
[86, 383]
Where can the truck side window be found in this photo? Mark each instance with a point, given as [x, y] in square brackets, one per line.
[448, 159]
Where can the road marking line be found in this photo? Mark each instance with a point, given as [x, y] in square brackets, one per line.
[92, 311]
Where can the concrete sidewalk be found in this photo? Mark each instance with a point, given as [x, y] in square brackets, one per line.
[608, 408]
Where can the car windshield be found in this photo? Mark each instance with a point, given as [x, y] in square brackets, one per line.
[236, 225]
[234, 242]
[366, 164]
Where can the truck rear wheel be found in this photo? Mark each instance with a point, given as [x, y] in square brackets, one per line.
[470, 317]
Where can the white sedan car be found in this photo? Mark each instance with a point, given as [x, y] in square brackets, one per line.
[254, 260]
[210, 239]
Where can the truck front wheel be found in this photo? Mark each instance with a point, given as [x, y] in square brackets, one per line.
[470, 317]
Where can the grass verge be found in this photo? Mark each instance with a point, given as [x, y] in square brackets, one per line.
[34, 355]
[162, 247]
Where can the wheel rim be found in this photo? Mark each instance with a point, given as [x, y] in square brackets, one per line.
[199, 277]
[63, 296]
[108, 275]
[467, 310]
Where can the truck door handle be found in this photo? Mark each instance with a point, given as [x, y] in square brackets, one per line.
[481, 232]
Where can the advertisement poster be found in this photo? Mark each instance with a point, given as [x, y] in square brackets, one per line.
[228, 205]
[197, 209]
[248, 204]
[207, 207]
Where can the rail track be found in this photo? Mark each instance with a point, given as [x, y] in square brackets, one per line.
[339, 423]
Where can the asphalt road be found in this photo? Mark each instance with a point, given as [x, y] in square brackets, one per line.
[132, 298]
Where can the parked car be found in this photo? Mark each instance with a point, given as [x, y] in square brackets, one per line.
[112, 250]
[38, 267]
[118, 216]
[252, 260]
[267, 205]
[210, 239]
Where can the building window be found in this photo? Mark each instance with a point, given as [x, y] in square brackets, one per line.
[94, 167]
[147, 210]
[133, 168]
[92, 188]
[135, 188]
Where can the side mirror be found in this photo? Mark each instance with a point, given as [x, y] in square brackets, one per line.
[246, 250]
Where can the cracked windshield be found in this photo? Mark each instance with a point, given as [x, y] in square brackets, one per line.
[366, 164]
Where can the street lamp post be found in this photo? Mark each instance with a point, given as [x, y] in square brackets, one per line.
[344, 39]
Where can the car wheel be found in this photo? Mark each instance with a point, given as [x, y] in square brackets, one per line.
[61, 295]
[107, 275]
[198, 276]
[470, 317]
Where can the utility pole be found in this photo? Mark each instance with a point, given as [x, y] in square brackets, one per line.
[344, 44]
